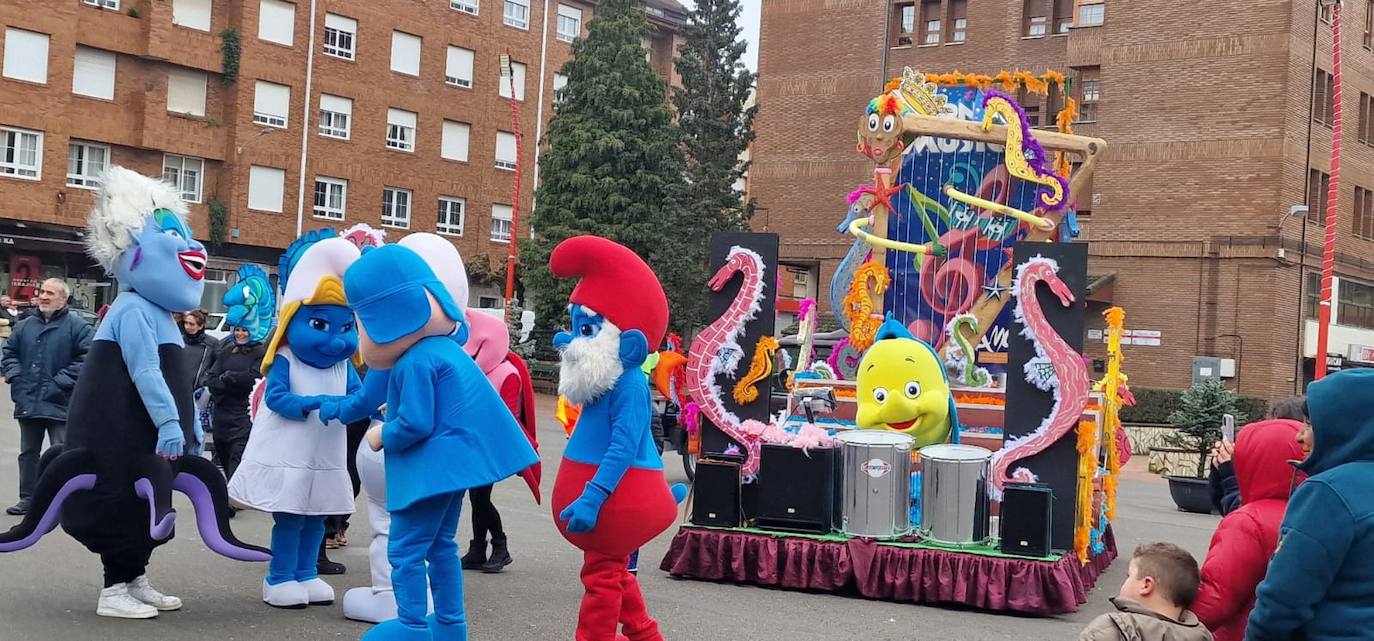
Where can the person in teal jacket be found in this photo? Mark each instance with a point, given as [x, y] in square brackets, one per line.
[1320, 583]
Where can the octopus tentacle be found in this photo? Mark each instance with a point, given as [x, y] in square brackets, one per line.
[64, 474]
[154, 484]
[202, 482]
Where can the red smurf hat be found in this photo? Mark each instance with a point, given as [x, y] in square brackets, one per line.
[616, 283]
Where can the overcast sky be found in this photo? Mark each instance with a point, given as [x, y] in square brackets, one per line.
[749, 21]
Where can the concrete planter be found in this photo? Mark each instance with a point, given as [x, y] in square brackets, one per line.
[1174, 461]
[1144, 436]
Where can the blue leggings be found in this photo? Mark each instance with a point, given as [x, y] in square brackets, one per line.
[425, 533]
[296, 543]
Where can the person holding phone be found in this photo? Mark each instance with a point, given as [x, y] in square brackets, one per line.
[1222, 481]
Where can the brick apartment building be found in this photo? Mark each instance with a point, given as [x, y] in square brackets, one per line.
[1207, 116]
[392, 113]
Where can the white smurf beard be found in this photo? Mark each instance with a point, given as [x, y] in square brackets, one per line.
[590, 367]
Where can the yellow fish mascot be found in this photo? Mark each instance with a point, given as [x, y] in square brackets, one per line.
[903, 387]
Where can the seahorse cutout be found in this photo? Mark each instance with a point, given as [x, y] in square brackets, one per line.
[1069, 382]
[970, 375]
[715, 351]
[870, 281]
[746, 390]
[1024, 157]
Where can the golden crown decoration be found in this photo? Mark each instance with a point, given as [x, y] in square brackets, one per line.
[921, 96]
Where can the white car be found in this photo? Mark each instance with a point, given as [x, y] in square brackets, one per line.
[217, 326]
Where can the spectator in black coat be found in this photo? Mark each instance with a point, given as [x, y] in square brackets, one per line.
[230, 379]
[1222, 480]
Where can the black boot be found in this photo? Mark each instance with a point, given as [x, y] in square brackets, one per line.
[500, 558]
[476, 556]
[324, 566]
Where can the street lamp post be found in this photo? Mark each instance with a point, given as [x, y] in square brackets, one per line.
[1329, 245]
[1300, 211]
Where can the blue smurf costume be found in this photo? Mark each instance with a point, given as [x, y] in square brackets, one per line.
[295, 465]
[436, 444]
[132, 437]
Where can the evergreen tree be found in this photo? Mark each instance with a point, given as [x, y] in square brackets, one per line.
[717, 126]
[1199, 417]
[613, 166]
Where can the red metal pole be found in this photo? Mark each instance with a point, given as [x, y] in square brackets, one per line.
[515, 197]
[1329, 246]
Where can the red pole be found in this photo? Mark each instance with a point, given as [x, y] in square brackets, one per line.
[515, 197]
[1329, 246]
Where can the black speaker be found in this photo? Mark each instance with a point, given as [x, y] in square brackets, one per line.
[716, 494]
[796, 489]
[1027, 519]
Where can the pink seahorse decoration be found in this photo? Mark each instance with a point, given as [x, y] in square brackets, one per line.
[715, 351]
[1069, 383]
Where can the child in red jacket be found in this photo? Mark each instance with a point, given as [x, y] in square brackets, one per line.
[1246, 538]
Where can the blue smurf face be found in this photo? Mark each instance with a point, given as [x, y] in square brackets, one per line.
[322, 335]
[164, 263]
[584, 325]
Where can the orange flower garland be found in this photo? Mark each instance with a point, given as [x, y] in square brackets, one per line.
[1087, 469]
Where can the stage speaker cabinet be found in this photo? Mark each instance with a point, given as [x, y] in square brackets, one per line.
[716, 494]
[796, 489]
[1027, 519]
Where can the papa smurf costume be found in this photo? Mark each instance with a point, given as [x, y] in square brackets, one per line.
[610, 496]
[446, 431]
[132, 437]
[377, 603]
[295, 465]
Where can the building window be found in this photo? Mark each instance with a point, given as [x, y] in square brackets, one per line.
[1364, 213]
[501, 223]
[518, 14]
[1063, 15]
[1030, 103]
[466, 6]
[488, 302]
[1327, 12]
[450, 220]
[1089, 93]
[1324, 108]
[1355, 304]
[265, 188]
[906, 14]
[104, 4]
[930, 22]
[186, 173]
[455, 142]
[458, 70]
[648, 44]
[1366, 118]
[1311, 294]
[518, 69]
[335, 114]
[26, 56]
[192, 14]
[400, 129]
[86, 161]
[271, 102]
[94, 73]
[1091, 13]
[186, 92]
[1369, 24]
[569, 23]
[505, 150]
[396, 207]
[1035, 18]
[958, 20]
[559, 82]
[331, 197]
[405, 53]
[1318, 188]
[339, 34]
[21, 153]
[277, 21]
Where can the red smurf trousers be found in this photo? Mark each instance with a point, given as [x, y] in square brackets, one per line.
[639, 509]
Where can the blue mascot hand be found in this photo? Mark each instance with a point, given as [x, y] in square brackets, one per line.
[581, 515]
[329, 409]
[679, 491]
[197, 446]
[170, 440]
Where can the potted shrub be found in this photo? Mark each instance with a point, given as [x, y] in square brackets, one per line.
[1198, 421]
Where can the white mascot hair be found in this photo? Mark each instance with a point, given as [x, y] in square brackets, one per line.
[125, 199]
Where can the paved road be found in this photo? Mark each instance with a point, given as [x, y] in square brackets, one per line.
[49, 591]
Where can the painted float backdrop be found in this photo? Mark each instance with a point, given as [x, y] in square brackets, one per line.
[927, 297]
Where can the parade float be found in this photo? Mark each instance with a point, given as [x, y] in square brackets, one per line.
[953, 448]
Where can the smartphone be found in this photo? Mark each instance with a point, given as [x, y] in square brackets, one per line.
[1228, 428]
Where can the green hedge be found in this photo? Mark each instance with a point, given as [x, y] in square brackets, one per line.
[1154, 406]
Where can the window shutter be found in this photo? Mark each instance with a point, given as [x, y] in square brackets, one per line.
[94, 73]
[455, 144]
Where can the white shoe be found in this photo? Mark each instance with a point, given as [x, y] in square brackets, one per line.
[116, 602]
[140, 589]
[318, 592]
[290, 594]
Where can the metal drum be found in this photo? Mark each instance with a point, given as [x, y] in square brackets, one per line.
[875, 482]
[954, 500]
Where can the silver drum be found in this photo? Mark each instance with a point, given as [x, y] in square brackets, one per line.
[875, 484]
[954, 500]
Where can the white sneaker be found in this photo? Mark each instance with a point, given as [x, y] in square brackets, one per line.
[285, 595]
[140, 589]
[116, 602]
[318, 592]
